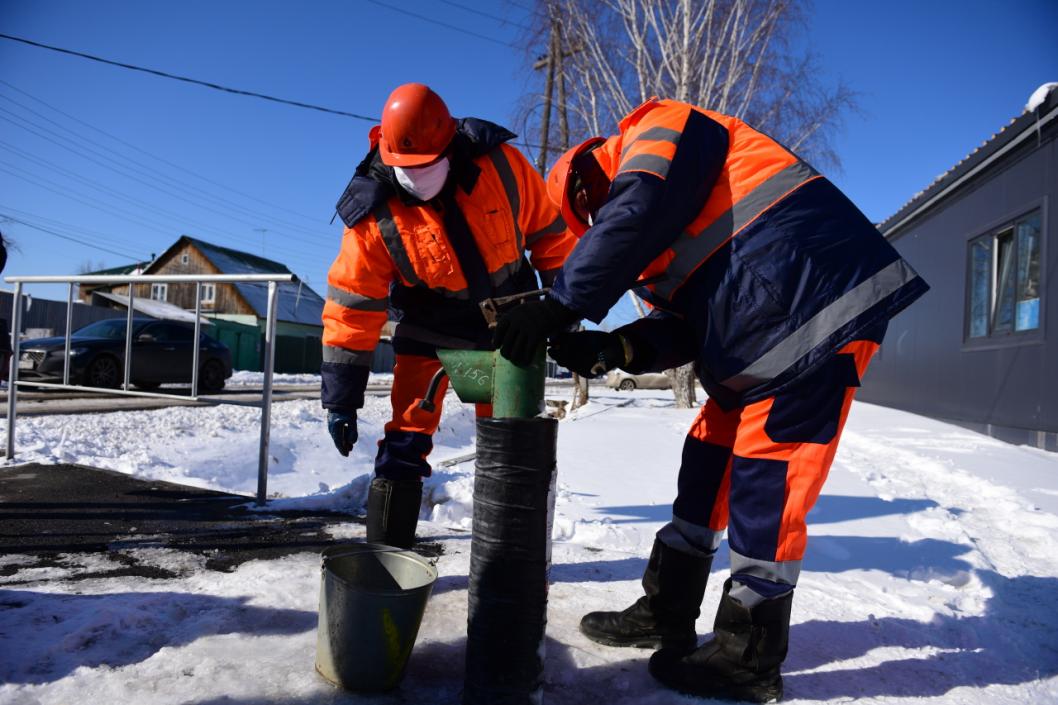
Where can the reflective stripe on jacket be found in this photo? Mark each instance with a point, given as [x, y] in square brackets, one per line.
[744, 248]
[401, 254]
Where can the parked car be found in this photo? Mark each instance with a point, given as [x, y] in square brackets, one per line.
[619, 379]
[162, 352]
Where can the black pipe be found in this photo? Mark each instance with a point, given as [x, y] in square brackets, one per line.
[510, 559]
[428, 402]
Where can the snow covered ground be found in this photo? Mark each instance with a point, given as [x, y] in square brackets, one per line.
[246, 378]
[930, 575]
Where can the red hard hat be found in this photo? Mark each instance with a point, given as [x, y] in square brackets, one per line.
[558, 184]
[416, 126]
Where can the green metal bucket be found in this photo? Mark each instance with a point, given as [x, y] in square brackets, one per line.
[372, 599]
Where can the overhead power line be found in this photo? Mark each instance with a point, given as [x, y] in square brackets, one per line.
[253, 94]
[532, 10]
[146, 153]
[130, 172]
[185, 79]
[482, 13]
[439, 23]
[71, 239]
[136, 218]
[107, 239]
[55, 169]
[5, 216]
[67, 227]
[132, 200]
[90, 201]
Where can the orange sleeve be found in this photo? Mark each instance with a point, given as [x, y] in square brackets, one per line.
[357, 295]
[547, 238]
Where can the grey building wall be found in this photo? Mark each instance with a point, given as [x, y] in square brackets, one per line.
[1008, 388]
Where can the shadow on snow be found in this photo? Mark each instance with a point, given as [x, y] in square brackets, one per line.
[1010, 643]
[829, 509]
[48, 636]
[435, 676]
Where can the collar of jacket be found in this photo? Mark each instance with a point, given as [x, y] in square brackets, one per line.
[374, 182]
[638, 112]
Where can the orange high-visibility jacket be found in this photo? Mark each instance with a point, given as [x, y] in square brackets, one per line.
[412, 257]
[758, 266]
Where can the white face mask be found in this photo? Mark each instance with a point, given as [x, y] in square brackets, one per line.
[423, 182]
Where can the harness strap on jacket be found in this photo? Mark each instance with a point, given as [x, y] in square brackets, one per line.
[466, 249]
[480, 282]
[391, 238]
[510, 186]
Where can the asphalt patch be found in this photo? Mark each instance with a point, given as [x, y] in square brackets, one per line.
[47, 511]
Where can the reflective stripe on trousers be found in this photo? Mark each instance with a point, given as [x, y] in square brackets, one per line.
[756, 471]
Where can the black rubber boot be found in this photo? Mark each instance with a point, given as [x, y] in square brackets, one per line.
[741, 661]
[674, 583]
[393, 511]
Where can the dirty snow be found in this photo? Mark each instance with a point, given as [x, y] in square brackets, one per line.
[930, 577]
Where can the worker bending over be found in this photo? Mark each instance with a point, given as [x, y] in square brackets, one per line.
[761, 272]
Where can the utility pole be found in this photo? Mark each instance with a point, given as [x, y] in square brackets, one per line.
[563, 113]
[552, 61]
[549, 87]
[580, 384]
[262, 231]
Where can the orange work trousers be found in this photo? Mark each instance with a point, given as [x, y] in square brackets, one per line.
[408, 438]
[757, 470]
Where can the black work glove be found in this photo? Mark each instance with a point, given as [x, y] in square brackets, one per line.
[342, 427]
[523, 329]
[590, 352]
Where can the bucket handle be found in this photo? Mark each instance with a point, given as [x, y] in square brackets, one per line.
[353, 549]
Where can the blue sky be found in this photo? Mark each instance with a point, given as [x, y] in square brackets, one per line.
[935, 80]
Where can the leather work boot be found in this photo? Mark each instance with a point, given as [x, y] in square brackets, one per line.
[674, 583]
[741, 661]
[393, 511]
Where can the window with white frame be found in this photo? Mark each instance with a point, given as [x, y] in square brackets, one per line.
[209, 293]
[185, 258]
[160, 292]
[1004, 280]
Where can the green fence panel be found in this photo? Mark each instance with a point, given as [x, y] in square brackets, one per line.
[243, 340]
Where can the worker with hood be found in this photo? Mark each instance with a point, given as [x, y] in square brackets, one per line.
[440, 215]
[778, 289]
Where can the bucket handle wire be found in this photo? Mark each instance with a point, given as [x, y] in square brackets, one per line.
[353, 550]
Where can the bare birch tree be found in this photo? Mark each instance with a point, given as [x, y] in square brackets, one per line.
[737, 57]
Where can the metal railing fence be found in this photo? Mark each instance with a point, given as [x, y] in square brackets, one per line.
[273, 281]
